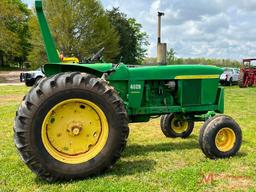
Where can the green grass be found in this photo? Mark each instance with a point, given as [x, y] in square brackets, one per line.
[13, 90]
[150, 162]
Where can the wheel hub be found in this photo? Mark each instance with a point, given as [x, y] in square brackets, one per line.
[74, 131]
[179, 126]
[178, 123]
[225, 139]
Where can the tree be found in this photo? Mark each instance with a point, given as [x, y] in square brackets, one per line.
[133, 41]
[202, 61]
[171, 56]
[37, 55]
[14, 32]
[150, 61]
[141, 40]
[79, 27]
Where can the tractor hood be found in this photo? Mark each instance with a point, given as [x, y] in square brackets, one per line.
[166, 72]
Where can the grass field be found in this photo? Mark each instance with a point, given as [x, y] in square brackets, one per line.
[150, 162]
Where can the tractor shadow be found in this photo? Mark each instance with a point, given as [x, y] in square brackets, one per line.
[241, 154]
[126, 167]
[142, 150]
[131, 167]
[120, 169]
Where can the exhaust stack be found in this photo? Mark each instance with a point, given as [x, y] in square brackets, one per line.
[161, 47]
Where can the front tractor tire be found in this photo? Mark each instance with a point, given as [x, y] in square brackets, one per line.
[173, 126]
[71, 126]
[220, 137]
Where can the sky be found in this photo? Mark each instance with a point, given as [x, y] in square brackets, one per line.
[196, 28]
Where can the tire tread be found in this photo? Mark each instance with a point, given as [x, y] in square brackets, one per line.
[47, 87]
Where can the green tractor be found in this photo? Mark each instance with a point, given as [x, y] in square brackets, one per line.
[74, 123]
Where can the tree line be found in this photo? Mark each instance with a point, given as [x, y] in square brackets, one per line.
[14, 32]
[79, 27]
[173, 60]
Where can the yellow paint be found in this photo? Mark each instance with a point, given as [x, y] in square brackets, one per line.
[198, 77]
[75, 131]
[67, 60]
[179, 126]
[70, 60]
[225, 139]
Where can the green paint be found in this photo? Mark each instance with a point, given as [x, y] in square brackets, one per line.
[96, 69]
[48, 40]
[135, 93]
[165, 72]
[220, 100]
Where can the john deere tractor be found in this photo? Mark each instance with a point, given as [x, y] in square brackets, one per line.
[74, 123]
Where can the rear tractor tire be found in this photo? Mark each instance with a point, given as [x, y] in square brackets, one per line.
[71, 126]
[37, 80]
[220, 137]
[174, 126]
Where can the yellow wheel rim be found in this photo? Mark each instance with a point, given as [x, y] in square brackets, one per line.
[179, 126]
[75, 131]
[225, 139]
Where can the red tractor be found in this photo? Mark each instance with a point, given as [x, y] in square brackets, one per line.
[247, 76]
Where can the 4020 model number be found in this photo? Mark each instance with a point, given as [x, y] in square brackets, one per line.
[135, 86]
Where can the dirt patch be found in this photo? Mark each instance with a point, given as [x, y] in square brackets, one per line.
[10, 98]
[11, 84]
[2, 79]
[10, 76]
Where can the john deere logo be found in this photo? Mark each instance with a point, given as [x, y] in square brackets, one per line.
[135, 86]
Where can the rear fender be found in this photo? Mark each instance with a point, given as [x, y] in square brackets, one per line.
[94, 69]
